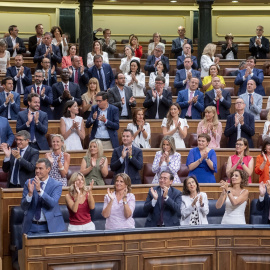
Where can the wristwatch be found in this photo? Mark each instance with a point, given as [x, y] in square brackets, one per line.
[228, 192]
[207, 158]
[124, 203]
[243, 163]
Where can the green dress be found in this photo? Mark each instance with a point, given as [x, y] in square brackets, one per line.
[95, 174]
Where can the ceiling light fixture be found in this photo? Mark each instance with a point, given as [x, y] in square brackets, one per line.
[173, 1]
[234, 1]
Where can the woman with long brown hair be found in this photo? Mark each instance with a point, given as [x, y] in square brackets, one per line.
[96, 50]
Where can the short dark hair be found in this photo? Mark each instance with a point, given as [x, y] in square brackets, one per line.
[265, 143]
[97, 56]
[69, 104]
[128, 130]
[4, 81]
[252, 57]
[46, 161]
[11, 28]
[171, 175]
[205, 135]
[138, 71]
[117, 74]
[185, 188]
[160, 79]
[106, 29]
[55, 28]
[20, 55]
[37, 25]
[31, 95]
[102, 94]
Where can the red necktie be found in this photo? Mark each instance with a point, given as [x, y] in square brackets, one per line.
[66, 87]
[76, 78]
[38, 89]
[218, 106]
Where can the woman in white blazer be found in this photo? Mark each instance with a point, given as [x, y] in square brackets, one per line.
[194, 207]
[125, 62]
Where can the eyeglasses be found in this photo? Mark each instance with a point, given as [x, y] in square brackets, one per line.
[239, 144]
[98, 101]
[158, 82]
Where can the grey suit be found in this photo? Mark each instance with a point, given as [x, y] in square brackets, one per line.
[115, 99]
[254, 109]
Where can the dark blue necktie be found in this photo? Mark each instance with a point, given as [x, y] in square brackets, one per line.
[39, 204]
[101, 85]
[6, 112]
[16, 170]
[32, 128]
[249, 100]
[126, 163]
[19, 88]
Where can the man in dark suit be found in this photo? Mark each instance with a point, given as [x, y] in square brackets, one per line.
[48, 50]
[259, 45]
[44, 91]
[191, 101]
[250, 73]
[178, 43]
[34, 121]
[105, 120]
[9, 100]
[219, 98]
[35, 40]
[21, 75]
[121, 96]
[263, 203]
[49, 73]
[183, 76]
[152, 60]
[102, 72]
[7, 136]
[15, 44]
[127, 158]
[239, 124]
[158, 100]
[163, 203]
[78, 74]
[20, 162]
[40, 202]
[64, 91]
[186, 53]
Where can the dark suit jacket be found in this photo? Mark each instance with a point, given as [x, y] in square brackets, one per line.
[225, 51]
[109, 77]
[115, 99]
[83, 80]
[164, 105]
[27, 165]
[264, 206]
[259, 53]
[234, 73]
[27, 80]
[39, 55]
[45, 103]
[181, 59]
[32, 45]
[257, 77]
[177, 48]
[134, 164]
[150, 62]
[40, 129]
[58, 90]
[171, 212]
[224, 106]
[196, 109]
[180, 76]
[21, 49]
[7, 135]
[14, 108]
[50, 206]
[51, 80]
[247, 130]
[112, 124]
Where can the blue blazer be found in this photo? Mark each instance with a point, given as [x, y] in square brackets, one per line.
[180, 76]
[177, 48]
[112, 124]
[40, 129]
[134, 164]
[7, 135]
[264, 206]
[39, 55]
[21, 49]
[50, 206]
[259, 52]
[150, 62]
[181, 59]
[247, 130]
[83, 80]
[257, 77]
[14, 108]
[27, 80]
[196, 109]
[171, 212]
[52, 79]
[109, 77]
[45, 103]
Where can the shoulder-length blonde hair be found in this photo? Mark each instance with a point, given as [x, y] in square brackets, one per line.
[63, 147]
[126, 179]
[169, 116]
[215, 118]
[210, 49]
[171, 142]
[95, 81]
[99, 147]
[71, 183]
[268, 116]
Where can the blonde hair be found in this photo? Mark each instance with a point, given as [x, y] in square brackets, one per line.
[99, 147]
[215, 118]
[63, 147]
[71, 183]
[171, 142]
[95, 81]
[210, 49]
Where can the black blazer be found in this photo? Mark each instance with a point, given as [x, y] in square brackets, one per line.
[149, 65]
[27, 165]
[134, 164]
[177, 48]
[247, 130]
[58, 90]
[151, 106]
[259, 53]
[32, 45]
[225, 51]
[21, 49]
[224, 106]
[264, 206]
[82, 79]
